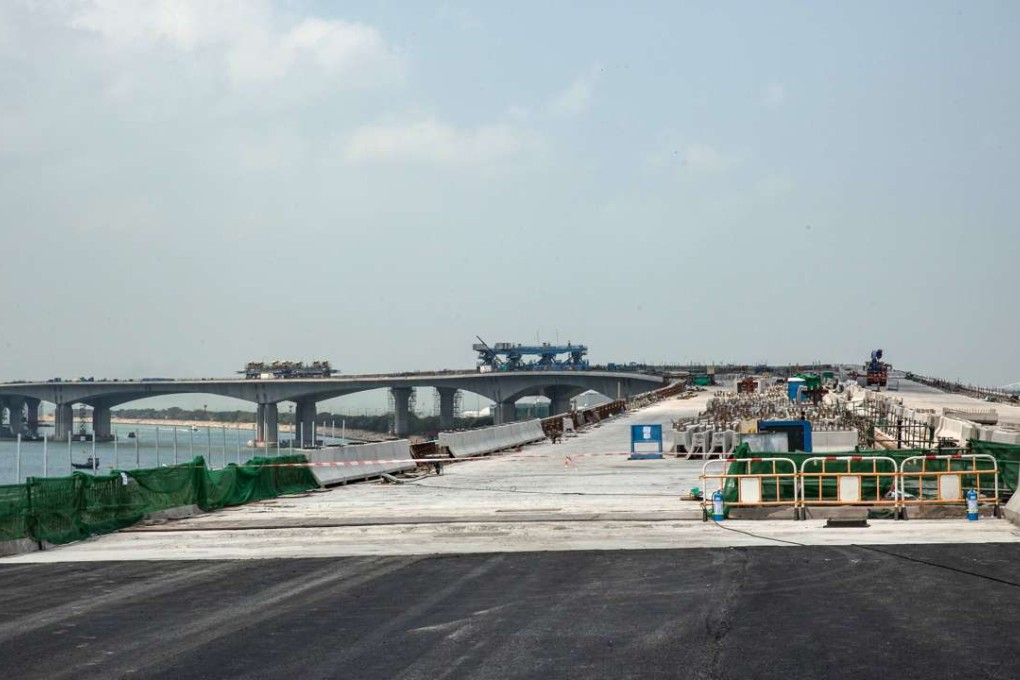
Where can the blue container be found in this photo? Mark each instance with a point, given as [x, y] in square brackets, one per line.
[798, 432]
[792, 385]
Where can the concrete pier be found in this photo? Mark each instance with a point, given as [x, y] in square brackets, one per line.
[401, 410]
[559, 399]
[6, 416]
[267, 428]
[32, 416]
[63, 421]
[446, 399]
[504, 412]
[304, 422]
[101, 424]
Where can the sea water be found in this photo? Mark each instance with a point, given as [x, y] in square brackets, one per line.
[152, 446]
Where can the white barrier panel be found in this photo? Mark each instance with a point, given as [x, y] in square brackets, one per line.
[833, 441]
[959, 430]
[359, 458]
[1006, 436]
[488, 439]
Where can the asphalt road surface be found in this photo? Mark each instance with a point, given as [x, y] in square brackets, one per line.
[920, 611]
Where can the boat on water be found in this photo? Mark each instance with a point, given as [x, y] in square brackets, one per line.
[89, 464]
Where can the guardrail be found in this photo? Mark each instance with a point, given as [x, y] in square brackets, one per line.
[873, 481]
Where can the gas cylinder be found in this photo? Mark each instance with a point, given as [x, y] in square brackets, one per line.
[718, 510]
[972, 505]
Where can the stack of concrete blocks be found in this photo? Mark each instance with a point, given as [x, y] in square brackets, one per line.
[682, 439]
[722, 442]
[396, 454]
[669, 438]
[491, 439]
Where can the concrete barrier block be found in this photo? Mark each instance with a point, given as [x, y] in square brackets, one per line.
[1005, 436]
[491, 439]
[395, 456]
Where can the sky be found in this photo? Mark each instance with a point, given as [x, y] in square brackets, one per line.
[187, 186]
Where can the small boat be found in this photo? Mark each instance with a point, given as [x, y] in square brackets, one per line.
[194, 428]
[89, 464]
[131, 435]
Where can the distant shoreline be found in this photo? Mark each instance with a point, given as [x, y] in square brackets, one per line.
[352, 434]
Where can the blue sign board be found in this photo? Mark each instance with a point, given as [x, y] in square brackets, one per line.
[645, 434]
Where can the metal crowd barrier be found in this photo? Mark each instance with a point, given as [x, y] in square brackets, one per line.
[840, 480]
[854, 481]
[945, 479]
[751, 487]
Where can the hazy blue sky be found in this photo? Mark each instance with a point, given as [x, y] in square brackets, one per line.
[186, 186]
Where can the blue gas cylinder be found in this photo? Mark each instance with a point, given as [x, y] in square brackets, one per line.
[972, 505]
[718, 507]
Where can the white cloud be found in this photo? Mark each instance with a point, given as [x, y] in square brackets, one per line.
[576, 98]
[703, 157]
[774, 96]
[253, 42]
[432, 142]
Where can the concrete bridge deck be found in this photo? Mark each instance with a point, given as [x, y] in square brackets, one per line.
[582, 494]
[503, 388]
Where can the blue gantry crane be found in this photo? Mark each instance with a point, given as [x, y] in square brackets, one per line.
[508, 356]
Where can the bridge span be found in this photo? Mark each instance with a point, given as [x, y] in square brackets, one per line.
[22, 399]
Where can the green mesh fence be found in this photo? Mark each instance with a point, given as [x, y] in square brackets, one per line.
[257, 480]
[1008, 456]
[13, 512]
[65, 509]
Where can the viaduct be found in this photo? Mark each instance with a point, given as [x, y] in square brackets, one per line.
[22, 399]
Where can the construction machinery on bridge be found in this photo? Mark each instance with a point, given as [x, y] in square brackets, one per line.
[508, 356]
[877, 371]
[254, 370]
